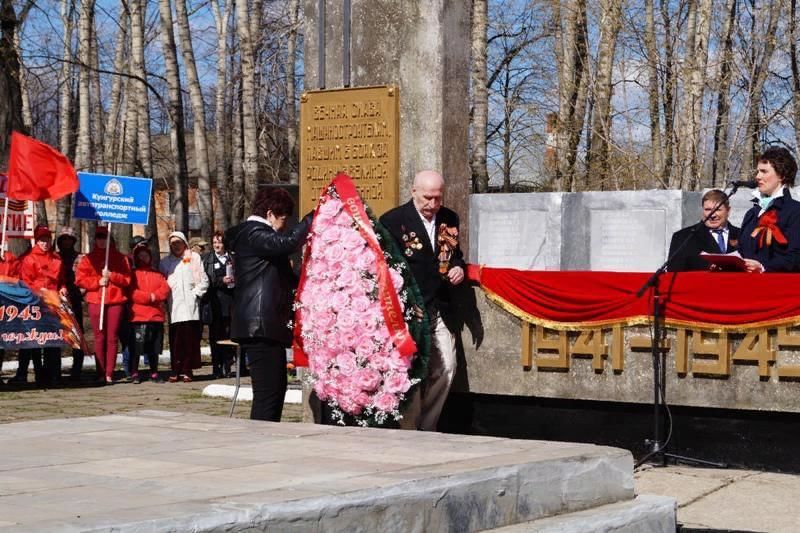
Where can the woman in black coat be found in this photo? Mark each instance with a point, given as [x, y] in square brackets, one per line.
[262, 297]
[770, 234]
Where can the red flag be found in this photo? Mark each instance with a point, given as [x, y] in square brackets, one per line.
[37, 171]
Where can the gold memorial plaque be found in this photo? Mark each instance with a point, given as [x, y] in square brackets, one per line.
[355, 131]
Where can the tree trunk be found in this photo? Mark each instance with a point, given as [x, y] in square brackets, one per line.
[794, 35]
[573, 43]
[719, 163]
[762, 59]
[248, 103]
[238, 200]
[480, 96]
[651, 46]
[291, 106]
[83, 158]
[221, 117]
[180, 176]
[95, 96]
[64, 205]
[111, 157]
[669, 96]
[204, 201]
[139, 100]
[610, 24]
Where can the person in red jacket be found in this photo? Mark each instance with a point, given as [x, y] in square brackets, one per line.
[9, 267]
[148, 292]
[92, 277]
[41, 269]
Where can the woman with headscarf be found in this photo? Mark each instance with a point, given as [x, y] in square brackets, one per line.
[92, 276]
[187, 284]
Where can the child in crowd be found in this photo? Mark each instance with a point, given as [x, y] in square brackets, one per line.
[148, 292]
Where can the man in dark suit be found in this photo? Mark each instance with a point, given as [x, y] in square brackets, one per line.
[714, 237]
[427, 233]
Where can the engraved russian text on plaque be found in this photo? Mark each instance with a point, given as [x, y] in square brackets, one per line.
[632, 240]
[512, 239]
[355, 131]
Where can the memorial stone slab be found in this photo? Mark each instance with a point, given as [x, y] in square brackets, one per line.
[516, 230]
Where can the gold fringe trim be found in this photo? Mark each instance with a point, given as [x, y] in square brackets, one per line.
[639, 320]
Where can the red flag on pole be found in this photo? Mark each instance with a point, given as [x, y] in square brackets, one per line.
[37, 171]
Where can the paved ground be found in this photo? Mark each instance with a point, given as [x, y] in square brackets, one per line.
[708, 498]
[727, 500]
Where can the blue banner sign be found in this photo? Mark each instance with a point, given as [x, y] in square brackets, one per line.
[118, 199]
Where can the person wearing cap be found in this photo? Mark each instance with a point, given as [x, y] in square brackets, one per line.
[198, 246]
[69, 260]
[41, 269]
[9, 267]
[188, 283]
[216, 311]
[148, 292]
[92, 276]
[262, 298]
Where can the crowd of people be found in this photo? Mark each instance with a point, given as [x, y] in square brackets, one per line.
[188, 288]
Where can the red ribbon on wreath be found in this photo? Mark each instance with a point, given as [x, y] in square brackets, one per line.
[768, 229]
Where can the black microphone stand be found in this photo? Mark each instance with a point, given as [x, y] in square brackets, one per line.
[656, 445]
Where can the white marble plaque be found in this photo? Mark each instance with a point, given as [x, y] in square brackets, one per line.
[627, 240]
[513, 239]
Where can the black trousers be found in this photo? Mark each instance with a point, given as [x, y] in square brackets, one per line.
[77, 354]
[267, 362]
[48, 373]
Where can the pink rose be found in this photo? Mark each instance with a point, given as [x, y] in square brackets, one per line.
[331, 234]
[346, 362]
[360, 304]
[346, 319]
[362, 399]
[334, 268]
[347, 278]
[367, 379]
[353, 241]
[397, 279]
[366, 262]
[386, 402]
[396, 382]
[365, 348]
[323, 319]
[349, 339]
[329, 209]
[333, 252]
[340, 300]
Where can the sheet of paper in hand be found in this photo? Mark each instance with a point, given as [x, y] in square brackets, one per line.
[730, 262]
[360, 325]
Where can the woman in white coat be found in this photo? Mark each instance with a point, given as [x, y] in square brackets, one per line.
[187, 284]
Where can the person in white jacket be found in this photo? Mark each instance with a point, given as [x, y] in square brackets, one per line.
[187, 284]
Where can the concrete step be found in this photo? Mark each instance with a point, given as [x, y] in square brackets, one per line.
[644, 514]
[122, 473]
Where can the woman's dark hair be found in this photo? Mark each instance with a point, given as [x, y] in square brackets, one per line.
[274, 199]
[218, 235]
[782, 161]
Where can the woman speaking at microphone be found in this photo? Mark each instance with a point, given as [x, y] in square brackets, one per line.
[770, 235]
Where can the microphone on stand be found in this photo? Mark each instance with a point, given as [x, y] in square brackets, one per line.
[749, 184]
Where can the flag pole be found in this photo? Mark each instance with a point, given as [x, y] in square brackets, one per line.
[5, 225]
[103, 295]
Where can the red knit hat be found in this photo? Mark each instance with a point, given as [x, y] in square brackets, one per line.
[42, 232]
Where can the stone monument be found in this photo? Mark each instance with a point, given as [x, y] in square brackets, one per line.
[423, 48]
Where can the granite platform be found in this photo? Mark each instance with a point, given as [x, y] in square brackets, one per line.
[165, 471]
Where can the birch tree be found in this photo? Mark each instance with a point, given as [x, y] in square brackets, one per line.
[221, 117]
[480, 96]
[291, 107]
[180, 176]
[249, 160]
[64, 205]
[719, 161]
[653, 88]
[610, 24]
[204, 201]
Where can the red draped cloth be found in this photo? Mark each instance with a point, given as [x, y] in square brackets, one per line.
[708, 300]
